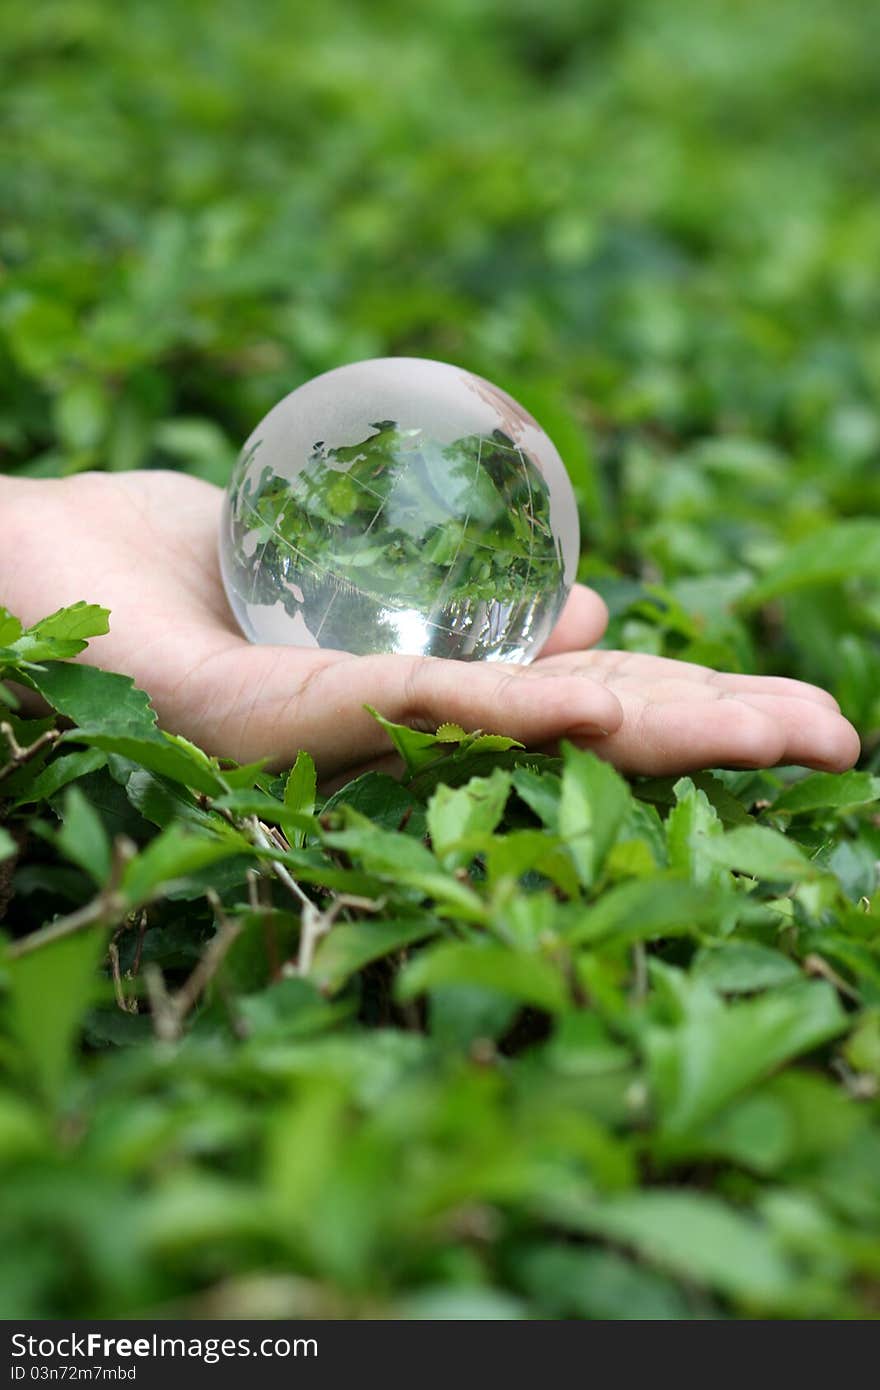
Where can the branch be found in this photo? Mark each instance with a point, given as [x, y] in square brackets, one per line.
[107, 907]
[95, 911]
[262, 841]
[20, 755]
[315, 924]
[170, 1010]
[207, 967]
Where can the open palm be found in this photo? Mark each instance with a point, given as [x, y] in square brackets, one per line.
[144, 545]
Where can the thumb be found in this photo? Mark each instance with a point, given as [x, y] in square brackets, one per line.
[581, 624]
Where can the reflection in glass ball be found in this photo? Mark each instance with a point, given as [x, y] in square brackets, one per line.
[400, 505]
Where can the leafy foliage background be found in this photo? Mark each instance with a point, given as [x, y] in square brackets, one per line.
[600, 1051]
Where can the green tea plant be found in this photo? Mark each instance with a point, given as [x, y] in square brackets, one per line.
[507, 1037]
[510, 1036]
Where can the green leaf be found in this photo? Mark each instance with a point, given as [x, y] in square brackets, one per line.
[8, 847]
[59, 773]
[598, 1284]
[82, 837]
[689, 826]
[10, 628]
[171, 856]
[762, 853]
[112, 714]
[530, 979]
[419, 750]
[458, 1015]
[23, 1131]
[717, 1050]
[299, 794]
[77, 622]
[49, 993]
[243, 776]
[692, 1235]
[592, 807]
[540, 791]
[268, 809]
[523, 851]
[458, 816]
[743, 967]
[756, 1132]
[448, 1303]
[155, 753]
[349, 946]
[62, 634]
[862, 1049]
[288, 1008]
[162, 801]
[384, 800]
[93, 698]
[190, 1210]
[582, 1046]
[845, 550]
[81, 413]
[300, 790]
[660, 791]
[28, 649]
[450, 733]
[402, 860]
[644, 909]
[828, 791]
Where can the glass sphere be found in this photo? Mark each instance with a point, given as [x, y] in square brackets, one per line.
[400, 505]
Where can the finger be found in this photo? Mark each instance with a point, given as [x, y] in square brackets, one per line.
[736, 731]
[581, 624]
[626, 666]
[661, 739]
[320, 707]
[732, 682]
[814, 736]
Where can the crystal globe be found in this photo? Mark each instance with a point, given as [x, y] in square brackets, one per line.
[400, 505]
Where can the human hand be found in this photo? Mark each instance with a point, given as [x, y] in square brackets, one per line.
[144, 545]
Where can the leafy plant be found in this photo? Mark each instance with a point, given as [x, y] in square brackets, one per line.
[395, 1052]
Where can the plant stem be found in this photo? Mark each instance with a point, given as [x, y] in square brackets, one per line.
[21, 755]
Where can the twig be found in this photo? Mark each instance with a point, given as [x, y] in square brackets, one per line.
[139, 948]
[166, 1024]
[170, 1010]
[815, 964]
[859, 1085]
[206, 968]
[261, 840]
[108, 907]
[20, 755]
[95, 911]
[639, 987]
[253, 884]
[128, 1006]
[314, 924]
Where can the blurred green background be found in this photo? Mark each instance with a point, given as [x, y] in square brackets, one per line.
[655, 222]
